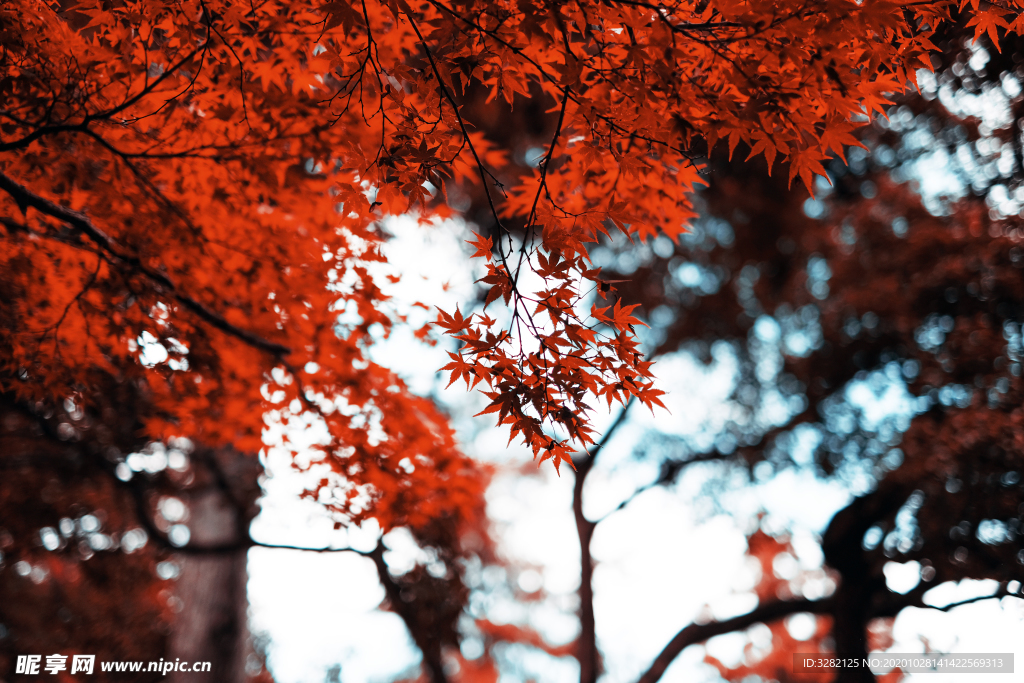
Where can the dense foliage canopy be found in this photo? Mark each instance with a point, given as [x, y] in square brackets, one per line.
[209, 177]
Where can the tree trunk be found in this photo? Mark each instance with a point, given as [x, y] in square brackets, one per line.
[212, 625]
[858, 585]
[586, 647]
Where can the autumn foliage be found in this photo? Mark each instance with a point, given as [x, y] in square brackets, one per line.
[194, 195]
[208, 177]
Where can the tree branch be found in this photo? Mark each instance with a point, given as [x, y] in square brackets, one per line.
[25, 198]
[1001, 592]
[431, 656]
[698, 633]
[586, 647]
[282, 546]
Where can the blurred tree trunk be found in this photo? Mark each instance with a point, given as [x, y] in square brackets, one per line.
[212, 625]
[859, 586]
